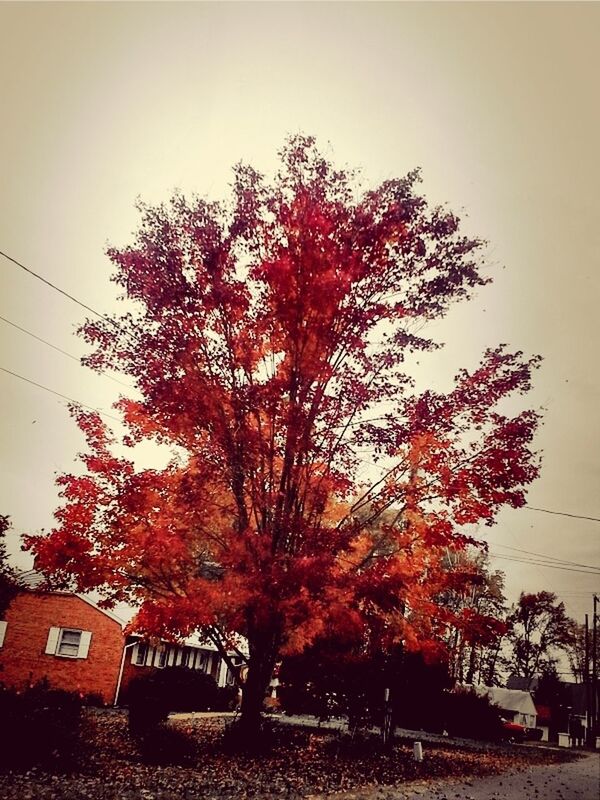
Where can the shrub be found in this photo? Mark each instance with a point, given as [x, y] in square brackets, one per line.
[94, 700]
[472, 716]
[152, 696]
[41, 726]
[535, 734]
[226, 699]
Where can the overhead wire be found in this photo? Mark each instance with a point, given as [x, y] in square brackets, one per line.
[543, 555]
[98, 314]
[60, 350]
[59, 394]
[57, 288]
[592, 571]
[563, 513]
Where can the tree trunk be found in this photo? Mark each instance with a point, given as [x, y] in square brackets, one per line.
[263, 656]
[472, 664]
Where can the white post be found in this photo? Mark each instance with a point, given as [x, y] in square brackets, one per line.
[119, 679]
[418, 751]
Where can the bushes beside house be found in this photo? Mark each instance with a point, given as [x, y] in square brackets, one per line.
[472, 716]
[151, 697]
[41, 727]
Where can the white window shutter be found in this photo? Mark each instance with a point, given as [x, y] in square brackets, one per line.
[52, 642]
[179, 656]
[171, 660]
[2, 632]
[84, 644]
[150, 656]
[134, 652]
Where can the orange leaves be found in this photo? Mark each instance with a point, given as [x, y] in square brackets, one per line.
[266, 336]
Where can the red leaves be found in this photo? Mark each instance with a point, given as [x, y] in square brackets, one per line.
[267, 335]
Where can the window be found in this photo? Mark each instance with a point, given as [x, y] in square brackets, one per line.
[161, 657]
[68, 642]
[202, 660]
[2, 632]
[141, 651]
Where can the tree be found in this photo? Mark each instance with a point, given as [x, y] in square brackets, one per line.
[581, 656]
[475, 596]
[540, 629]
[268, 337]
[8, 579]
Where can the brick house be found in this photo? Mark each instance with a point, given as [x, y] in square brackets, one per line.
[63, 638]
[75, 645]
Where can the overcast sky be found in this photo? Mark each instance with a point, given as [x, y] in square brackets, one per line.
[102, 103]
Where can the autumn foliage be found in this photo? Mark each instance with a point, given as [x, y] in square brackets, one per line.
[268, 338]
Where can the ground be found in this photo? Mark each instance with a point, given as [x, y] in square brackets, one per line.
[189, 760]
[578, 780]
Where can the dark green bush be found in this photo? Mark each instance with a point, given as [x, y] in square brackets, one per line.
[94, 700]
[152, 696]
[226, 699]
[472, 716]
[41, 728]
[534, 734]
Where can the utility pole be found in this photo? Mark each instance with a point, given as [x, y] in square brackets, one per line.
[588, 685]
[595, 671]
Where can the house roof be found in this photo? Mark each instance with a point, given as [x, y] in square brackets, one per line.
[507, 699]
[525, 684]
[32, 580]
[198, 641]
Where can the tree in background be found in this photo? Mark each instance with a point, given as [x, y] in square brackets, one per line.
[8, 578]
[540, 630]
[475, 597]
[576, 652]
[268, 338]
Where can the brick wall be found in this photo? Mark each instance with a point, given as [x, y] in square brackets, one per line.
[23, 659]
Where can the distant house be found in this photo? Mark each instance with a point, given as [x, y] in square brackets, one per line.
[515, 705]
[194, 653]
[66, 639]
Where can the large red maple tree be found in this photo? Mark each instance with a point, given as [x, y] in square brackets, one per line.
[268, 338]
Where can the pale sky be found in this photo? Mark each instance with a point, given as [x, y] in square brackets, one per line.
[497, 103]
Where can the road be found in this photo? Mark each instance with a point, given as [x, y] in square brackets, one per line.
[576, 780]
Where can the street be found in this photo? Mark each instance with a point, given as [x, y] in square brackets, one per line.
[577, 780]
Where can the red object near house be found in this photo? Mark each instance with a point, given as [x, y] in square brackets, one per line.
[513, 731]
[63, 638]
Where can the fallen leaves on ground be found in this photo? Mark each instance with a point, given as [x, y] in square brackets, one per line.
[303, 764]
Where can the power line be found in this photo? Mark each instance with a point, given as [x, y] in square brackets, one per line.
[593, 571]
[56, 288]
[545, 556]
[60, 350]
[39, 338]
[58, 394]
[563, 513]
